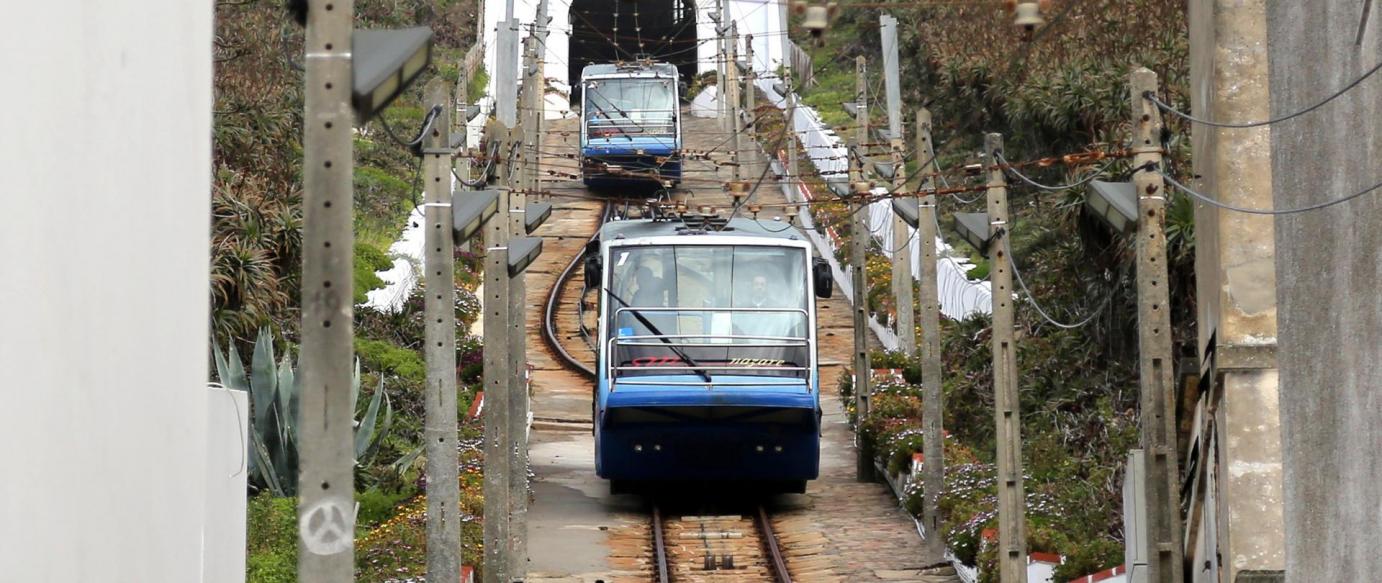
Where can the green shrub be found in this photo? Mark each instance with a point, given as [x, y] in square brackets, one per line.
[888, 359]
[272, 543]
[378, 505]
[368, 260]
[382, 200]
[383, 356]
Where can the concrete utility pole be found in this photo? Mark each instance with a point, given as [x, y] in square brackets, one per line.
[933, 398]
[326, 484]
[750, 83]
[1012, 536]
[901, 243]
[498, 377]
[531, 102]
[461, 122]
[749, 93]
[861, 101]
[721, 19]
[858, 248]
[790, 111]
[540, 93]
[1156, 378]
[736, 123]
[505, 65]
[517, 348]
[439, 308]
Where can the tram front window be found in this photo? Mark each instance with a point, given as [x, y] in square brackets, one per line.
[632, 107]
[740, 307]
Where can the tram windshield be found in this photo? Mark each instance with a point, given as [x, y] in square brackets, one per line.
[631, 107]
[740, 309]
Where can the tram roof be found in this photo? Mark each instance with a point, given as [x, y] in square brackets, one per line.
[617, 69]
[766, 228]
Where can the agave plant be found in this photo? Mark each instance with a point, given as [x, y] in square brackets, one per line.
[274, 393]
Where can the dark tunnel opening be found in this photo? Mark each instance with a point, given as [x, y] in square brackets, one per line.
[608, 31]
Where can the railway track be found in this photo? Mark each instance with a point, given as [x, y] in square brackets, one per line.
[714, 548]
[564, 285]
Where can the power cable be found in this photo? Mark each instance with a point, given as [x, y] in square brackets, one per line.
[1150, 96]
[1012, 262]
[1086, 180]
[1212, 202]
[416, 142]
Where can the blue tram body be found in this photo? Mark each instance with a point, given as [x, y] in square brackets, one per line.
[630, 124]
[708, 362]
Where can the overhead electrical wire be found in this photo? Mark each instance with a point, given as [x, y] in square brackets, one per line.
[1150, 96]
[1012, 262]
[1212, 202]
[1023, 177]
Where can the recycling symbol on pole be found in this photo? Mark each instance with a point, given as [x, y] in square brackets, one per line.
[325, 528]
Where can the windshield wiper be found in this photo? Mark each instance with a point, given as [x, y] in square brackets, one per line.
[611, 120]
[622, 131]
[652, 328]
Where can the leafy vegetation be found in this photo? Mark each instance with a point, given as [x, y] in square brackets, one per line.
[256, 253]
[272, 553]
[1063, 91]
[274, 391]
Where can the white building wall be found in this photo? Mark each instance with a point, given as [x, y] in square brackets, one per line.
[104, 248]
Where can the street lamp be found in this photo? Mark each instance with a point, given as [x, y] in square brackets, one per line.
[522, 252]
[383, 63]
[839, 185]
[908, 209]
[974, 229]
[469, 211]
[535, 214]
[887, 169]
[1115, 203]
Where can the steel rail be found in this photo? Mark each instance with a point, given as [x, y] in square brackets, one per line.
[660, 548]
[549, 319]
[776, 563]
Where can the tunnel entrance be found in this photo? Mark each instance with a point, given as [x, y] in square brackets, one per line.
[606, 31]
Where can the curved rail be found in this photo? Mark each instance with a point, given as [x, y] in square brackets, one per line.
[549, 318]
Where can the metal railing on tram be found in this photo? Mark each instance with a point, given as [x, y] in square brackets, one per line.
[672, 363]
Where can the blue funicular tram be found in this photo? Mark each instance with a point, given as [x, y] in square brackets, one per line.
[708, 365]
[630, 124]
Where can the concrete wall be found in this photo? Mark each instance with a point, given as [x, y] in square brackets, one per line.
[1235, 268]
[227, 469]
[104, 202]
[1328, 265]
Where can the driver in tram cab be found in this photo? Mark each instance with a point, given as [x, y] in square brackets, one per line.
[649, 292]
[759, 297]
